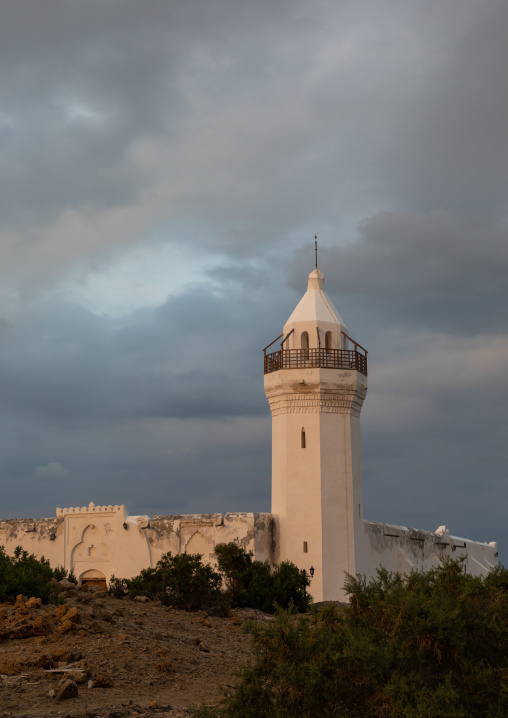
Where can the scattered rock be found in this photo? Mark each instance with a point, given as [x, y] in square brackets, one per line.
[84, 665]
[78, 677]
[33, 603]
[148, 652]
[66, 689]
[40, 624]
[65, 627]
[61, 611]
[141, 599]
[45, 661]
[10, 666]
[103, 680]
[71, 615]
[61, 654]
[66, 585]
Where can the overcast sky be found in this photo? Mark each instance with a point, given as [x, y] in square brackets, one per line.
[164, 166]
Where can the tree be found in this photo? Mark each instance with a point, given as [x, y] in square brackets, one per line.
[255, 584]
[25, 574]
[426, 644]
[180, 581]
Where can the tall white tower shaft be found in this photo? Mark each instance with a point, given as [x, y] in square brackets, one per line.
[315, 384]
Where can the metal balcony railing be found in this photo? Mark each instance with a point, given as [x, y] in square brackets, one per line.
[316, 358]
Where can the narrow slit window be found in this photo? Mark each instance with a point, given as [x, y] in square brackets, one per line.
[303, 438]
[328, 340]
[359, 512]
[305, 547]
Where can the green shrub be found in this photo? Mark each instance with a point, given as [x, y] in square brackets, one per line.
[60, 573]
[118, 587]
[180, 581]
[24, 573]
[183, 581]
[424, 645]
[255, 584]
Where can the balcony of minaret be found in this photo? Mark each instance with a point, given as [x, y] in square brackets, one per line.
[353, 357]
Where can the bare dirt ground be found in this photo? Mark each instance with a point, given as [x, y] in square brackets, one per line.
[117, 657]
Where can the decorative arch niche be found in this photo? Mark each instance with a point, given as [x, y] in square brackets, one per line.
[91, 551]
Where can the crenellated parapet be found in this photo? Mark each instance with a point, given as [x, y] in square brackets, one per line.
[91, 509]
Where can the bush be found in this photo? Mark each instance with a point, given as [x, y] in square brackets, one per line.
[60, 573]
[183, 581]
[24, 573]
[255, 584]
[180, 581]
[428, 644]
[118, 587]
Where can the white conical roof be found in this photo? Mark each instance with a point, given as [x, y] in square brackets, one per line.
[315, 305]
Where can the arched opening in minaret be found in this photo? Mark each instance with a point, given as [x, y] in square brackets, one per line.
[303, 438]
[304, 339]
[328, 340]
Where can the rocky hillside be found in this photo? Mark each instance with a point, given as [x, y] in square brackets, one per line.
[100, 656]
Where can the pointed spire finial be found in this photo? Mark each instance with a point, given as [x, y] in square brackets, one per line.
[315, 247]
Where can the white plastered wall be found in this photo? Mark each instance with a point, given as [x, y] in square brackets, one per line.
[403, 549]
[107, 540]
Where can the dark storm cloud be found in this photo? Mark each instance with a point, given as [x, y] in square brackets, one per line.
[169, 398]
[380, 126]
[427, 271]
[455, 149]
[192, 357]
[82, 82]
[264, 120]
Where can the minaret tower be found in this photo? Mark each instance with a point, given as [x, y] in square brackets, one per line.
[316, 383]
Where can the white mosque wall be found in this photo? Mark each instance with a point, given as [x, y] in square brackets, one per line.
[104, 541]
[403, 549]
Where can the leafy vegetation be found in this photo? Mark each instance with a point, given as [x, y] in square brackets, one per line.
[255, 584]
[428, 644]
[24, 573]
[183, 582]
[180, 581]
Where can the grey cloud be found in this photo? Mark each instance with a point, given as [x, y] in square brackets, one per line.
[428, 270]
[53, 470]
[455, 149]
[152, 465]
[259, 119]
[256, 124]
[190, 357]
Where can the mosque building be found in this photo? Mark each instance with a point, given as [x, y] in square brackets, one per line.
[316, 383]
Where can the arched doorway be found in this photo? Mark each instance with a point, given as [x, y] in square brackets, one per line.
[93, 577]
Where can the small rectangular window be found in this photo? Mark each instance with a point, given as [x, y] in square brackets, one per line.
[305, 549]
[303, 438]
